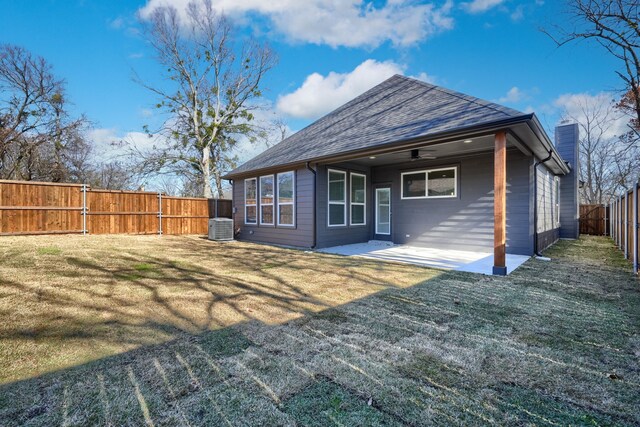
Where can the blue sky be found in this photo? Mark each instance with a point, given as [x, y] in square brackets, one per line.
[329, 51]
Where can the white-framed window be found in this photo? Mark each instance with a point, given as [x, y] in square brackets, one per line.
[250, 201]
[438, 183]
[286, 198]
[266, 199]
[337, 200]
[556, 200]
[358, 201]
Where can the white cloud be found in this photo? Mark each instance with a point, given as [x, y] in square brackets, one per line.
[579, 106]
[349, 23]
[424, 77]
[517, 14]
[514, 95]
[109, 144]
[117, 23]
[320, 94]
[479, 6]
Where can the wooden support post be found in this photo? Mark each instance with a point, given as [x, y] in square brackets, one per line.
[500, 204]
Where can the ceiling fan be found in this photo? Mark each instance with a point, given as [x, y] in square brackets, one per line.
[415, 155]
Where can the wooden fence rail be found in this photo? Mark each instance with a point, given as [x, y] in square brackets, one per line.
[623, 227]
[50, 208]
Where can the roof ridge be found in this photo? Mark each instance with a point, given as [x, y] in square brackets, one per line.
[464, 96]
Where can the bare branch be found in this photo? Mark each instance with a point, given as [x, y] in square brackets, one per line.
[214, 87]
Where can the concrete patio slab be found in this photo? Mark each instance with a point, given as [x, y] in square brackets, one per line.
[447, 259]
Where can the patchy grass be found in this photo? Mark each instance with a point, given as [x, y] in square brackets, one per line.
[239, 334]
[81, 298]
[52, 250]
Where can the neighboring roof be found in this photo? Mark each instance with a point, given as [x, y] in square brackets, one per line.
[400, 108]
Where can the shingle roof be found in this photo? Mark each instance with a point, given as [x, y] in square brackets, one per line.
[397, 109]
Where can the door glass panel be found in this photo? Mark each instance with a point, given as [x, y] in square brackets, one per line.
[383, 214]
[383, 195]
[383, 211]
[384, 228]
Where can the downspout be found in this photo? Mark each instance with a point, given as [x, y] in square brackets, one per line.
[313, 221]
[535, 202]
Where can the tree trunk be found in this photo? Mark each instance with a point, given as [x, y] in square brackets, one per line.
[207, 191]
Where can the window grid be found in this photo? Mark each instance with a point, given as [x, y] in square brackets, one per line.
[247, 201]
[289, 203]
[266, 200]
[363, 203]
[342, 202]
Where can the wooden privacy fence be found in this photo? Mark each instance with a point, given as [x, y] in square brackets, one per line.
[51, 208]
[624, 225]
[594, 220]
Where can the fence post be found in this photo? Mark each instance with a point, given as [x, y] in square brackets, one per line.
[84, 209]
[620, 222]
[616, 222]
[626, 226]
[160, 213]
[635, 229]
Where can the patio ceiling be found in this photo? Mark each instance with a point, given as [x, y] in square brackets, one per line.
[435, 151]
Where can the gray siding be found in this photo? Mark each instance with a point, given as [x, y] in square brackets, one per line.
[336, 236]
[300, 236]
[567, 145]
[465, 222]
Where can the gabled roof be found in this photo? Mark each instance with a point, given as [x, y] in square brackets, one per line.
[400, 108]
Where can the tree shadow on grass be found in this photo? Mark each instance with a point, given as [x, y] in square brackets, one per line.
[246, 342]
[93, 308]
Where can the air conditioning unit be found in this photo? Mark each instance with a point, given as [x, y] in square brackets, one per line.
[220, 229]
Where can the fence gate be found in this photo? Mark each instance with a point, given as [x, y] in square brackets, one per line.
[594, 220]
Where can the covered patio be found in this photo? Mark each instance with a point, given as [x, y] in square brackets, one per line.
[445, 259]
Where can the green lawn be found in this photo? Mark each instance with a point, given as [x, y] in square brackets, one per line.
[189, 332]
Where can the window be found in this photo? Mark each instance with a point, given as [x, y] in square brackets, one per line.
[286, 198]
[557, 198]
[266, 199]
[337, 198]
[358, 199]
[250, 201]
[431, 184]
[414, 185]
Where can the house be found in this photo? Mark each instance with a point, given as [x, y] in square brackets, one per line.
[413, 163]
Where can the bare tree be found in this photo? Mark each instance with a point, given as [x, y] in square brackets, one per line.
[608, 162]
[215, 89]
[613, 24]
[35, 127]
